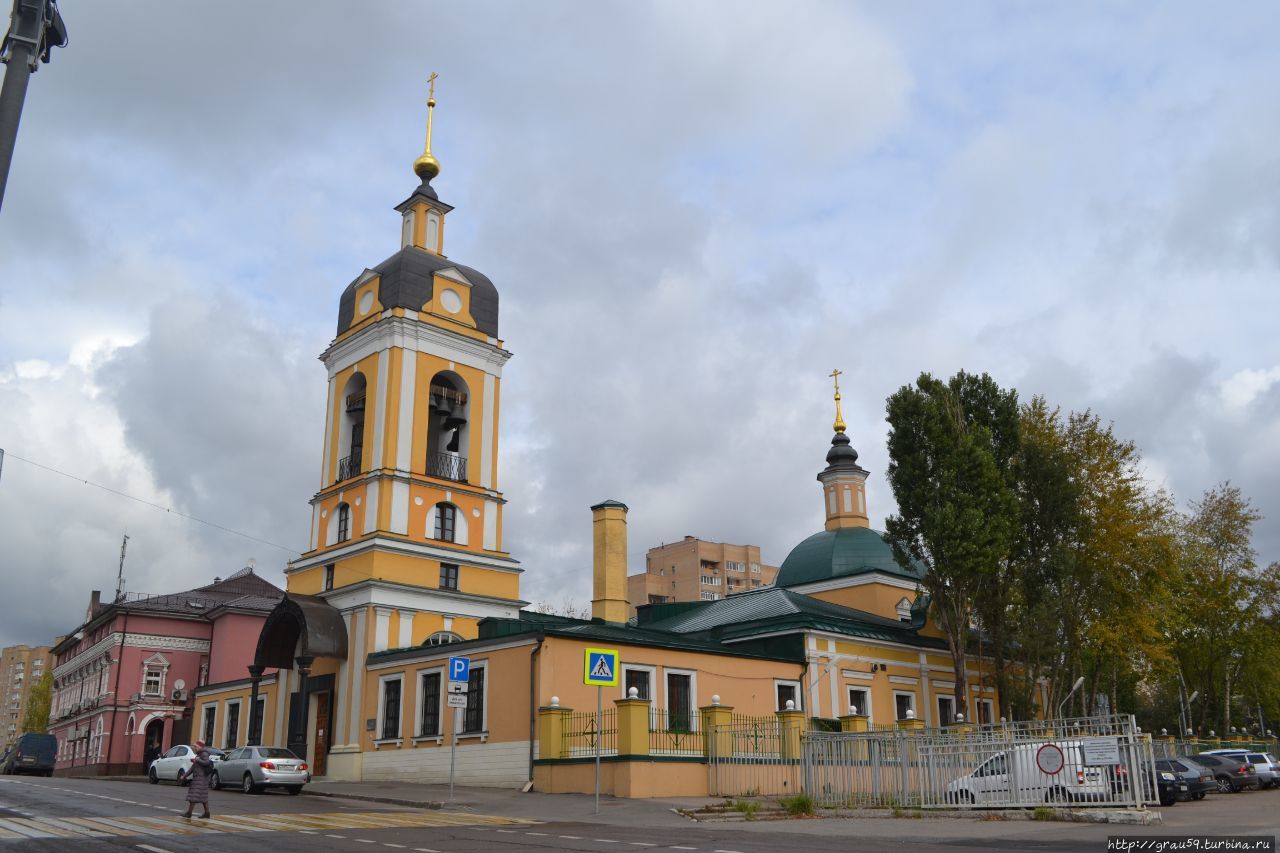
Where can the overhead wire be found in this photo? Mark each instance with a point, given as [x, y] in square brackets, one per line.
[11, 455]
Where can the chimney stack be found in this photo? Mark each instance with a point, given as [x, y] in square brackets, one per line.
[609, 562]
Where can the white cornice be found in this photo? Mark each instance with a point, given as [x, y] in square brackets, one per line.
[416, 336]
[414, 549]
[434, 654]
[855, 580]
[399, 475]
[385, 594]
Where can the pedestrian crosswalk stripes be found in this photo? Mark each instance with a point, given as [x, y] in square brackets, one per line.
[25, 828]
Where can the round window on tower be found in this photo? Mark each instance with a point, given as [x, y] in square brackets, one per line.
[450, 301]
[366, 301]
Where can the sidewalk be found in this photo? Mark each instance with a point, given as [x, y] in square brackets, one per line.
[510, 802]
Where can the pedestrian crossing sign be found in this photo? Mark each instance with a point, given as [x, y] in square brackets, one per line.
[601, 668]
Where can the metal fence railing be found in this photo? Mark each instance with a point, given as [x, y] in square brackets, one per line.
[674, 734]
[1172, 748]
[582, 731]
[1098, 761]
[748, 757]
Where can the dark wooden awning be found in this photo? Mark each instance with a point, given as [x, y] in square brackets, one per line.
[301, 625]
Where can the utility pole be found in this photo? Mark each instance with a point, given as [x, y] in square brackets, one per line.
[35, 27]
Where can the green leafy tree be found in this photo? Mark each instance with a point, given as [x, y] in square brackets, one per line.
[950, 456]
[36, 715]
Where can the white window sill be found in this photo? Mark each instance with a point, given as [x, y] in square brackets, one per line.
[436, 739]
[378, 743]
[480, 736]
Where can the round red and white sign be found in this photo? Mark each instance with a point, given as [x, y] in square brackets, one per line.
[1049, 759]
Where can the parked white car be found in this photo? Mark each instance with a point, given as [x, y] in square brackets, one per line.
[1016, 777]
[176, 764]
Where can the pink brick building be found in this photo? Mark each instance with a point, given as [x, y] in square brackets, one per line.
[123, 680]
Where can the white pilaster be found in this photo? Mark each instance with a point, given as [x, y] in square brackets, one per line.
[355, 723]
[382, 629]
[488, 432]
[399, 506]
[406, 629]
[408, 385]
[380, 408]
[325, 474]
[371, 505]
[339, 725]
[490, 526]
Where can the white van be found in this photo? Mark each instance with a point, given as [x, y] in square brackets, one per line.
[1016, 777]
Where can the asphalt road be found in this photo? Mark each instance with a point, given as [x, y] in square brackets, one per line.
[100, 815]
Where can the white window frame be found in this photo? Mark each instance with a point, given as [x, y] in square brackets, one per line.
[431, 233]
[903, 609]
[911, 694]
[991, 710]
[204, 727]
[693, 697]
[438, 737]
[652, 672]
[785, 682]
[406, 229]
[865, 708]
[226, 721]
[937, 701]
[483, 734]
[382, 709]
[709, 596]
[158, 664]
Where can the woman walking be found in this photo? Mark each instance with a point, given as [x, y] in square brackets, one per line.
[198, 789]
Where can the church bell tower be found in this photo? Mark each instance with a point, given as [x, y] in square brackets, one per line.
[406, 526]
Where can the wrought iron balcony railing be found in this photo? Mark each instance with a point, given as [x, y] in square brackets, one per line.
[447, 466]
[348, 466]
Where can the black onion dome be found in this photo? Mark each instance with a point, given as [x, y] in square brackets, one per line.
[406, 282]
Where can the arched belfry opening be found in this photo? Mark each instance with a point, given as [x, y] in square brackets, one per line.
[448, 430]
[351, 439]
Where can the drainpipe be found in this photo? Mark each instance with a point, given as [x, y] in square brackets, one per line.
[115, 692]
[533, 700]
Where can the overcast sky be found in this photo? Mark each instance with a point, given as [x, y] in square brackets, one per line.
[692, 212]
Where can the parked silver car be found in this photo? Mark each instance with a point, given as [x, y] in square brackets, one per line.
[253, 768]
[1264, 764]
[176, 764]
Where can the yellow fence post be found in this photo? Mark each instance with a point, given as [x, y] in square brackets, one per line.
[790, 727]
[717, 739]
[910, 723]
[633, 725]
[551, 723]
[854, 723]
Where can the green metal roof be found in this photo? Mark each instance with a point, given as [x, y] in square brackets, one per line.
[846, 552]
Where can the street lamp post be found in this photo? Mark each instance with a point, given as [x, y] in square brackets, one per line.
[35, 27]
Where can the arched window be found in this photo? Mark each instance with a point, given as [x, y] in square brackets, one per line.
[442, 638]
[351, 437]
[446, 522]
[344, 523]
[450, 411]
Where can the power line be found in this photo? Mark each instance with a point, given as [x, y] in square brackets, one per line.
[214, 525]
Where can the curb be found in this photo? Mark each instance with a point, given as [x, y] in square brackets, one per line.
[390, 801]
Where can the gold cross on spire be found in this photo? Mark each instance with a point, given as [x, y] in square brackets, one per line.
[839, 425]
[427, 166]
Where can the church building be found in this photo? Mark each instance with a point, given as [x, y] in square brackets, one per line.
[406, 568]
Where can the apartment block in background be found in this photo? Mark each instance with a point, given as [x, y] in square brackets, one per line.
[20, 668]
[697, 570]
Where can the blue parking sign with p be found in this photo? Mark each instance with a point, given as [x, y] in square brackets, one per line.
[459, 669]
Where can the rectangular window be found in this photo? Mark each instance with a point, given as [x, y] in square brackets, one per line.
[986, 711]
[210, 715]
[391, 708]
[448, 576]
[860, 701]
[711, 580]
[755, 568]
[787, 691]
[473, 715]
[679, 702]
[328, 576]
[152, 680]
[640, 679]
[259, 721]
[733, 566]
[946, 710]
[233, 725]
[902, 703]
[344, 523]
[446, 521]
[429, 720]
[709, 596]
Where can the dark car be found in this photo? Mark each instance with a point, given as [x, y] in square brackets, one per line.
[33, 753]
[1232, 774]
[1199, 779]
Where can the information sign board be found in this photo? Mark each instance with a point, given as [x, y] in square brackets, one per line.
[1100, 751]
